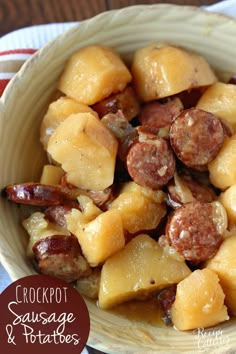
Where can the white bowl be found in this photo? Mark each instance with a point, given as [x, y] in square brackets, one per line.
[21, 155]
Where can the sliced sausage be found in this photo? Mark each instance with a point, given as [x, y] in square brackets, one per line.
[38, 194]
[34, 194]
[196, 137]
[192, 230]
[150, 161]
[232, 80]
[99, 197]
[189, 98]
[57, 213]
[184, 189]
[61, 257]
[126, 101]
[200, 191]
[159, 115]
[166, 298]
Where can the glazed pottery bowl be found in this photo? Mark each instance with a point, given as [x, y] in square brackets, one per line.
[22, 156]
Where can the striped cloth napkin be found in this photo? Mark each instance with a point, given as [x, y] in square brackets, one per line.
[10, 63]
[16, 47]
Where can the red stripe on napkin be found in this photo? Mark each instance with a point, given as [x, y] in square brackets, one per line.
[3, 84]
[12, 65]
[18, 51]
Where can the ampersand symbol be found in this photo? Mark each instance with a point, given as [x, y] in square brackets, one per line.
[9, 330]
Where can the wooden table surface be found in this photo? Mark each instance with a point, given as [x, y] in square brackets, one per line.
[15, 14]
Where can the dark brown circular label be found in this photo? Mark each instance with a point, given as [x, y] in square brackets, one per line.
[41, 314]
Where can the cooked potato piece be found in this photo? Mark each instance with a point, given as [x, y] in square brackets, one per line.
[224, 264]
[199, 301]
[38, 227]
[138, 270]
[220, 99]
[57, 112]
[89, 210]
[223, 168]
[228, 200]
[140, 208]
[160, 70]
[86, 150]
[100, 238]
[94, 73]
[51, 174]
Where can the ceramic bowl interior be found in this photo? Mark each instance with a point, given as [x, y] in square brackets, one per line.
[22, 157]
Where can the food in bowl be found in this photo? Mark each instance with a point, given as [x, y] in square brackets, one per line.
[128, 204]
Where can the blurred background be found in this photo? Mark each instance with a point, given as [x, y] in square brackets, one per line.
[15, 14]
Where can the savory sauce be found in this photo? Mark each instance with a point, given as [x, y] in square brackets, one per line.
[148, 311]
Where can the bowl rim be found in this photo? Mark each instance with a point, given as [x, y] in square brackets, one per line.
[77, 27]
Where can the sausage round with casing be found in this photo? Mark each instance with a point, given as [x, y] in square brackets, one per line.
[193, 231]
[150, 161]
[196, 137]
[61, 256]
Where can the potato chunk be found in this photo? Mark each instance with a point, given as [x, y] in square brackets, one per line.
[199, 301]
[220, 99]
[228, 200]
[51, 174]
[86, 150]
[138, 270]
[140, 208]
[57, 112]
[160, 70]
[224, 264]
[99, 238]
[223, 168]
[94, 73]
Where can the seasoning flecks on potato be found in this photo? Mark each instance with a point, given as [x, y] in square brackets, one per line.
[140, 269]
[160, 70]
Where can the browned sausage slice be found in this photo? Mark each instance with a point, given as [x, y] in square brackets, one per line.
[190, 98]
[126, 101]
[196, 137]
[232, 80]
[99, 197]
[150, 161]
[193, 232]
[61, 257]
[159, 115]
[34, 194]
[184, 189]
[166, 298]
[57, 213]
